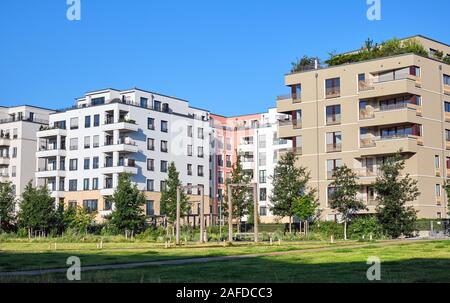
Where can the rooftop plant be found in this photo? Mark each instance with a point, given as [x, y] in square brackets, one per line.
[372, 51]
[305, 63]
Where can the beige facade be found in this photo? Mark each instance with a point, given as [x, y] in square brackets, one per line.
[358, 114]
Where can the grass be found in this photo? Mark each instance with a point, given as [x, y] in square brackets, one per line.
[412, 262]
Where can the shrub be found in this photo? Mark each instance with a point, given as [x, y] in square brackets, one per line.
[326, 229]
[364, 227]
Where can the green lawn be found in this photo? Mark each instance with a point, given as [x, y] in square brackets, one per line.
[414, 262]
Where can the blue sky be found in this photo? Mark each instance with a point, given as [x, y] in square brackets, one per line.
[227, 56]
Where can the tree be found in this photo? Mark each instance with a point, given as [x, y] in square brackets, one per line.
[447, 190]
[241, 196]
[289, 183]
[7, 205]
[128, 214]
[305, 207]
[169, 196]
[305, 63]
[78, 219]
[393, 192]
[343, 198]
[37, 209]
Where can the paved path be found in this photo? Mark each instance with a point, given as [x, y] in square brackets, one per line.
[200, 260]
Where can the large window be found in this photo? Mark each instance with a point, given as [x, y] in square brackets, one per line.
[334, 142]
[150, 164]
[96, 120]
[95, 184]
[74, 123]
[150, 185]
[164, 126]
[333, 114]
[297, 92]
[144, 102]
[163, 166]
[98, 101]
[74, 144]
[262, 176]
[262, 194]
[90, 205]
[73, 164]
[95, 162]
[331, 167]
[87, 121]
[333, 87]
[401, 131]
[73, 185]
[150, 144]
[200, 152]
[149, 208]
[86, 184]
[151, 123]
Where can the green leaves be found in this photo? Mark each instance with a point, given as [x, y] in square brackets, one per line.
[241, 196]
[129, 203]
[169, 196]
[393, 192]
[7, 204]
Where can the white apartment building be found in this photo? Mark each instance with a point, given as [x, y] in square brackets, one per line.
[108, 132]
[18, 128]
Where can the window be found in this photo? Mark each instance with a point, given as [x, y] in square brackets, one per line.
[87, 163]
[438, 190]
[14, 171]
[200, 151]
[151, 144]
[87, 121]
[87, 142]
[401, 131]
[108, 204]
[72, 204]
[96, 141]
[85, 184]
[189, 131]
[90, 205]
[74, 123]
[73, 185]
[331, 167]
[150, 185]
[163, 166]
[262, 176]
[414, 71]
[98, 101]
[189, 150]
[333, 114]
[262, 159]
[334, 142]
[447, 162]
[164, 148]
[73, 164]
[200, 170]
[447, 107]
[96, 120]
[189, 169]
[221, 178]
[94, 183]
[200, 133]
[296, 119]
[228, 160]
[228, 140]
[437, 162]
[333, 87]
[149, 208]
[144, 102]
[164, 126]
[330, 191]
[74, 144]
[262, 194]
[262, 141]
[157, 105]
[151, 123]
[95, 163]
[296, 91]
[150, 164]
[446, 80]
[163, 186]
[263, 211]
[14, 152]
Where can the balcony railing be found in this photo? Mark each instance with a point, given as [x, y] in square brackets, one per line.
[18, 119]
[333, 148]
[369, 84]
[295, 150]
[333, 92]
[366, 171]
[446, 89]
[371, 142]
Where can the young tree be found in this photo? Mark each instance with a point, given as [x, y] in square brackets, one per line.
[78, 219]
[289, 183]
[393, 192]
[37, 209]
[7, 205]
[129, 201]
[305, 207]
[344, 196]
[241, 196]
[169, 196]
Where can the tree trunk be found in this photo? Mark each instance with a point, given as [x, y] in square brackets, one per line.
[345, 230]
[290, 224]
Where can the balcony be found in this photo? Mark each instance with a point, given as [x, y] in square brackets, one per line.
[5, 141]
[57, 194]
[46, 132]
[287, 103]
[4, 176]
[446, 89]
[123, 145]
[50, 173]
[122, 125]
[50, 151]
[128, 167]
[248, 164]
[389, 145]
[334, 148]
[374, 88]
[288, 128]
[385, 115]
[296, 150]
[4, 161]
[107, 191]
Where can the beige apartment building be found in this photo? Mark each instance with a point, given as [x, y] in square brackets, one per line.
[360, 113]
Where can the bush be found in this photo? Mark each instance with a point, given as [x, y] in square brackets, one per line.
[326, 229]
[363, 227]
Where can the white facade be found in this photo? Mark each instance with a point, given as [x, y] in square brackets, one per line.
[109, 132]
[18, 128]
